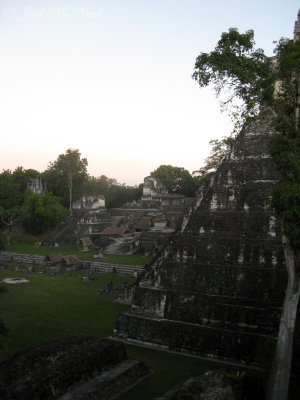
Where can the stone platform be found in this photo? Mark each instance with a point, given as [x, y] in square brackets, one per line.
[74, 368]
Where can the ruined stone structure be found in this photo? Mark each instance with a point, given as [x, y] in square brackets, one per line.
[74, 368]
[217, 289]
[153, 188]
[89, 203]
[156, 195]
[155, 217]
[149, 222]
[37, 186]
[89, 218]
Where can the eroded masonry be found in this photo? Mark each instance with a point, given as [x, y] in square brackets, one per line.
[217, 289]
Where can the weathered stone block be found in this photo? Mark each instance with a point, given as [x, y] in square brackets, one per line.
[47, 371]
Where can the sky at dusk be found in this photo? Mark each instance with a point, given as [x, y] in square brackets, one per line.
[112, 78]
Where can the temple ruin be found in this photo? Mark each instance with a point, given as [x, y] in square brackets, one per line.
[89, 203]
[139, 226]
[217, 288]
[36, 186]
[156, 195]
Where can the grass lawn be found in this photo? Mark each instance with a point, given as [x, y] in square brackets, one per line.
[48, 308]
[29, 246]
[55, 307]
[169, 370]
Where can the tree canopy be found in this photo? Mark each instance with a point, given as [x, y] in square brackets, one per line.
[13, 186]
[115, 193]
[41, 212]
[70, 168]
[239, 72]
[12, 190]
[217, 155]
[176, 179]
[285, 148]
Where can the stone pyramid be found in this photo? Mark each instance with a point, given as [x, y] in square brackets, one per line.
[217, 289]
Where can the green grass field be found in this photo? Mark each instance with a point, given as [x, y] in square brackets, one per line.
[56, 307]
[48, 308]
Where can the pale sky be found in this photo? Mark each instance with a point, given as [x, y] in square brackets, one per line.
[112, 78]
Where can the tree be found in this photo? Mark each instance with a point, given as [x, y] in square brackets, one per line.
[285, 150]
[115, 193]
[22, 177]
[239, 72]
[256, 82]
[41, 212]
[8, 217]
[10, 201]
[69, 167]
[217, 155]
[13, 186]
[120, 194]
[10, 194]
[176, 179]
[12, 189]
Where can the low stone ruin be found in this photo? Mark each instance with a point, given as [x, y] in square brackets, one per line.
[89, 203]
[139, 226]
[74, 368]
[218, 384]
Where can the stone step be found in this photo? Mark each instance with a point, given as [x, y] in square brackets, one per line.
[122, 269]
[109, 383]
[91, 368]
[21, 258]
[127, 266]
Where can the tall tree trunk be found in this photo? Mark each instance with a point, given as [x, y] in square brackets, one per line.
[278, 384]
[9, 225]
[70, 190]
[9, 234]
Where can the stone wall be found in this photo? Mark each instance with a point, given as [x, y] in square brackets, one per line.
[217, 288]
[89, 203]
[51, 370]
[48, 370]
